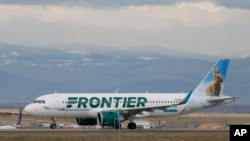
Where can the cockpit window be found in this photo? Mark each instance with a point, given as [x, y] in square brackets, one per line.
[39, 101]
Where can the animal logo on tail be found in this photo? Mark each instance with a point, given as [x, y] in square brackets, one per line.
[214, 87]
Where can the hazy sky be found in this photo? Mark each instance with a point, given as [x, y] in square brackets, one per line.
[219, 28]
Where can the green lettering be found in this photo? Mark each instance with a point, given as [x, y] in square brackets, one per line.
[82, 102]
[124, 102]
[117, 100]
[141, 102]
[106, 101]
[94, 102]
[71, 100]
[131, 102]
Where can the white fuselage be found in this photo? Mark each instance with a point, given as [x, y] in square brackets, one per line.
[83, 105]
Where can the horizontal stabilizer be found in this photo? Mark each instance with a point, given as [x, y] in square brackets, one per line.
[222, 99]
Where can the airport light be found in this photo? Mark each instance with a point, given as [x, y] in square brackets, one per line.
[119, 129]
[159, 128]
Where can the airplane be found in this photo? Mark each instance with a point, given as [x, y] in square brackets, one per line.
[110, 109]
[16, 126]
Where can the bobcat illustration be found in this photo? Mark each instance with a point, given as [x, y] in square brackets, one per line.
[214, 87]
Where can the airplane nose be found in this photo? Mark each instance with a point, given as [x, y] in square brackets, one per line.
[27, 109]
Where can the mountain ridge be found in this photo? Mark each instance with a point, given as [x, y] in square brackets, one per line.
[28, 72]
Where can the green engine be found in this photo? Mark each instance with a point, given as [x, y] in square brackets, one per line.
[86, 121]
[106, 118]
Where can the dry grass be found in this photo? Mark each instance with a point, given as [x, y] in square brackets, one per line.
[107, 136]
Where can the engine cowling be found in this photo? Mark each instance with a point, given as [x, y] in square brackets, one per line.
[106, 118]
[86, 121]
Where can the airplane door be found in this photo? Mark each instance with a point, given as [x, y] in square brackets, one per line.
[56, 102]
[57, 105]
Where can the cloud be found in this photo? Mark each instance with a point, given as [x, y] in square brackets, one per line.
[199, 27]
[134, 17]
[14, 53]
[80, 52]
[122, 3]
[147, 58]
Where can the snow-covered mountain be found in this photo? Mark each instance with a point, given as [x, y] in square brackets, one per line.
[27, 72]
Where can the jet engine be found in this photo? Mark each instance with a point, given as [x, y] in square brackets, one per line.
[107, 118]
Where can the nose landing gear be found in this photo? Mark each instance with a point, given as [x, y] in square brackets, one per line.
[53, 124]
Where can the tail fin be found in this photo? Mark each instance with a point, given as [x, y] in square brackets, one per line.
[212, 83]
[18, 123]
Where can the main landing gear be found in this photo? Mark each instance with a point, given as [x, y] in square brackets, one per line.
[131, 125]
[53, 124]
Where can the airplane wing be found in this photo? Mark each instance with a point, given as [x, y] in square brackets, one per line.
[129, 112]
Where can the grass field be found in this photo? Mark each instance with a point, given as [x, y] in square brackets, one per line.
[109, 136]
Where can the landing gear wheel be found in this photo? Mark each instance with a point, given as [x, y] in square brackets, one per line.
[131, 125]
[53, 126]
